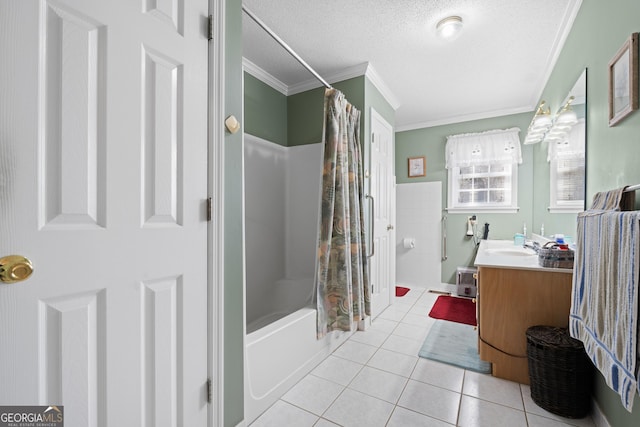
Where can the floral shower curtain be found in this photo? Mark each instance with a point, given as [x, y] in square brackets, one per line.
[342, 281]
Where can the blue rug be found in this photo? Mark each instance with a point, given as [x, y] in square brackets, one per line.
[454, 344]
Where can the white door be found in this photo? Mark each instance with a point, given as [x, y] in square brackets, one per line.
[381, 186]
[103, 173]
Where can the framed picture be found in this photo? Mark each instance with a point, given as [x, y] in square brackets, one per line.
[623, 81]
[417, 166]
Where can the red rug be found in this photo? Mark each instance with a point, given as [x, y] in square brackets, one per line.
[454, 309]
[401, 291]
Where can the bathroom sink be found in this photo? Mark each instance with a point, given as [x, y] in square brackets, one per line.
[511, 251]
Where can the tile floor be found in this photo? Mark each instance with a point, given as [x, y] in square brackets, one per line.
[377, 379]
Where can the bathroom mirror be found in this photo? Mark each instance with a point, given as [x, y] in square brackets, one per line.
[560, 165]
[566, 152]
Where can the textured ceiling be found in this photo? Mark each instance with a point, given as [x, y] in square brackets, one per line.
[498, 65]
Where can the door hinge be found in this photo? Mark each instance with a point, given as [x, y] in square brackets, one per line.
[209, 208]
[210, 28]
[209, 390]
[373, 137]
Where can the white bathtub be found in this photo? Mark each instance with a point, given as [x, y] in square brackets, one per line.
[278, 355]
[283, 297]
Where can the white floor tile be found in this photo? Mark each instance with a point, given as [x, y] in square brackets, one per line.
[381, 384]
[416, 333]
[324, 423]
[532, 408]
[439, 374]
[393, 314]
[421, 309]
[417, 319]
[402, 345]
[429, 400]
[402, 417]
[371, 337]
[313, 394]
[358, 384]
[396, 363]
[354, 409]
[480, 413]
[383, 325]
[338, 370]
[355, 351]
[409, 298]
[496, 390]
[539, 421]
[285, 414]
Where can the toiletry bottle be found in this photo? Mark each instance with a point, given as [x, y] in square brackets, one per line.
[542, 229]
[524, 229]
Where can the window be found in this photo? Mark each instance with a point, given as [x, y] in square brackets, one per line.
[483, 171]
[566, 167]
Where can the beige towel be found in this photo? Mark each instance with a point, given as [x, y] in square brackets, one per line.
[614, 200]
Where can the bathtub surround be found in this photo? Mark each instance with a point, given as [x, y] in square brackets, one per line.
[342, 281]
[282, 193]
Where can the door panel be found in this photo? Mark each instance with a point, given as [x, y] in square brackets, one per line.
[103, 165]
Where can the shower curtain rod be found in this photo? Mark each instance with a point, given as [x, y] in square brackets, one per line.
[285, 45]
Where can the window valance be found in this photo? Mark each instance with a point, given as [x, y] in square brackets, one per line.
[494, 146]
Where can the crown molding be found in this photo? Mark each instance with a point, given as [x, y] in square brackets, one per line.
[382, 87]
[264, 77]
[364, 69]
[465, 118]
[347, 73]
[561, 37]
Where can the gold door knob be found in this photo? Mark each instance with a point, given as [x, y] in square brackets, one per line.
[15, 268]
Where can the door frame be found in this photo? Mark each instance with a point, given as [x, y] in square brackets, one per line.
[215, 263]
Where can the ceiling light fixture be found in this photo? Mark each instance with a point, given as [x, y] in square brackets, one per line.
[449, 28]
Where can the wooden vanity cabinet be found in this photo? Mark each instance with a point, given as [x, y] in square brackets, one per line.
[510, 301]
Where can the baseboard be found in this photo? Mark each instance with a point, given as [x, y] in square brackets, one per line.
[598, 417]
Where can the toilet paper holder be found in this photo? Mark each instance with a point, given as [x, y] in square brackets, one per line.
[408, 243]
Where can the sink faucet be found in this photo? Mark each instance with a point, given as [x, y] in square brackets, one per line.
[531, 244]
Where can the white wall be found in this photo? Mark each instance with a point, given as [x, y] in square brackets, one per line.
[419, 214]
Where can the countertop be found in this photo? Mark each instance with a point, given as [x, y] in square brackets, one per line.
[504, 254]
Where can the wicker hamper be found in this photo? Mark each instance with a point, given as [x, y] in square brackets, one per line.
[560, 372]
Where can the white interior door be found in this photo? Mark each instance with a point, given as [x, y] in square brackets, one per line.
[103, 174]
[381, 186]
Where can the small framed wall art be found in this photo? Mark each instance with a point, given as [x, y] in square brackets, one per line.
[417, 166]
[623, 81]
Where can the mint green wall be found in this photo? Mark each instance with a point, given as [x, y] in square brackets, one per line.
[297, 119]
[305, 110]
[265, 111]
[430, 142]
[233, 340]
[613, 153]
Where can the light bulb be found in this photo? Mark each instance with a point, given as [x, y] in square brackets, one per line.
[449, 28]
